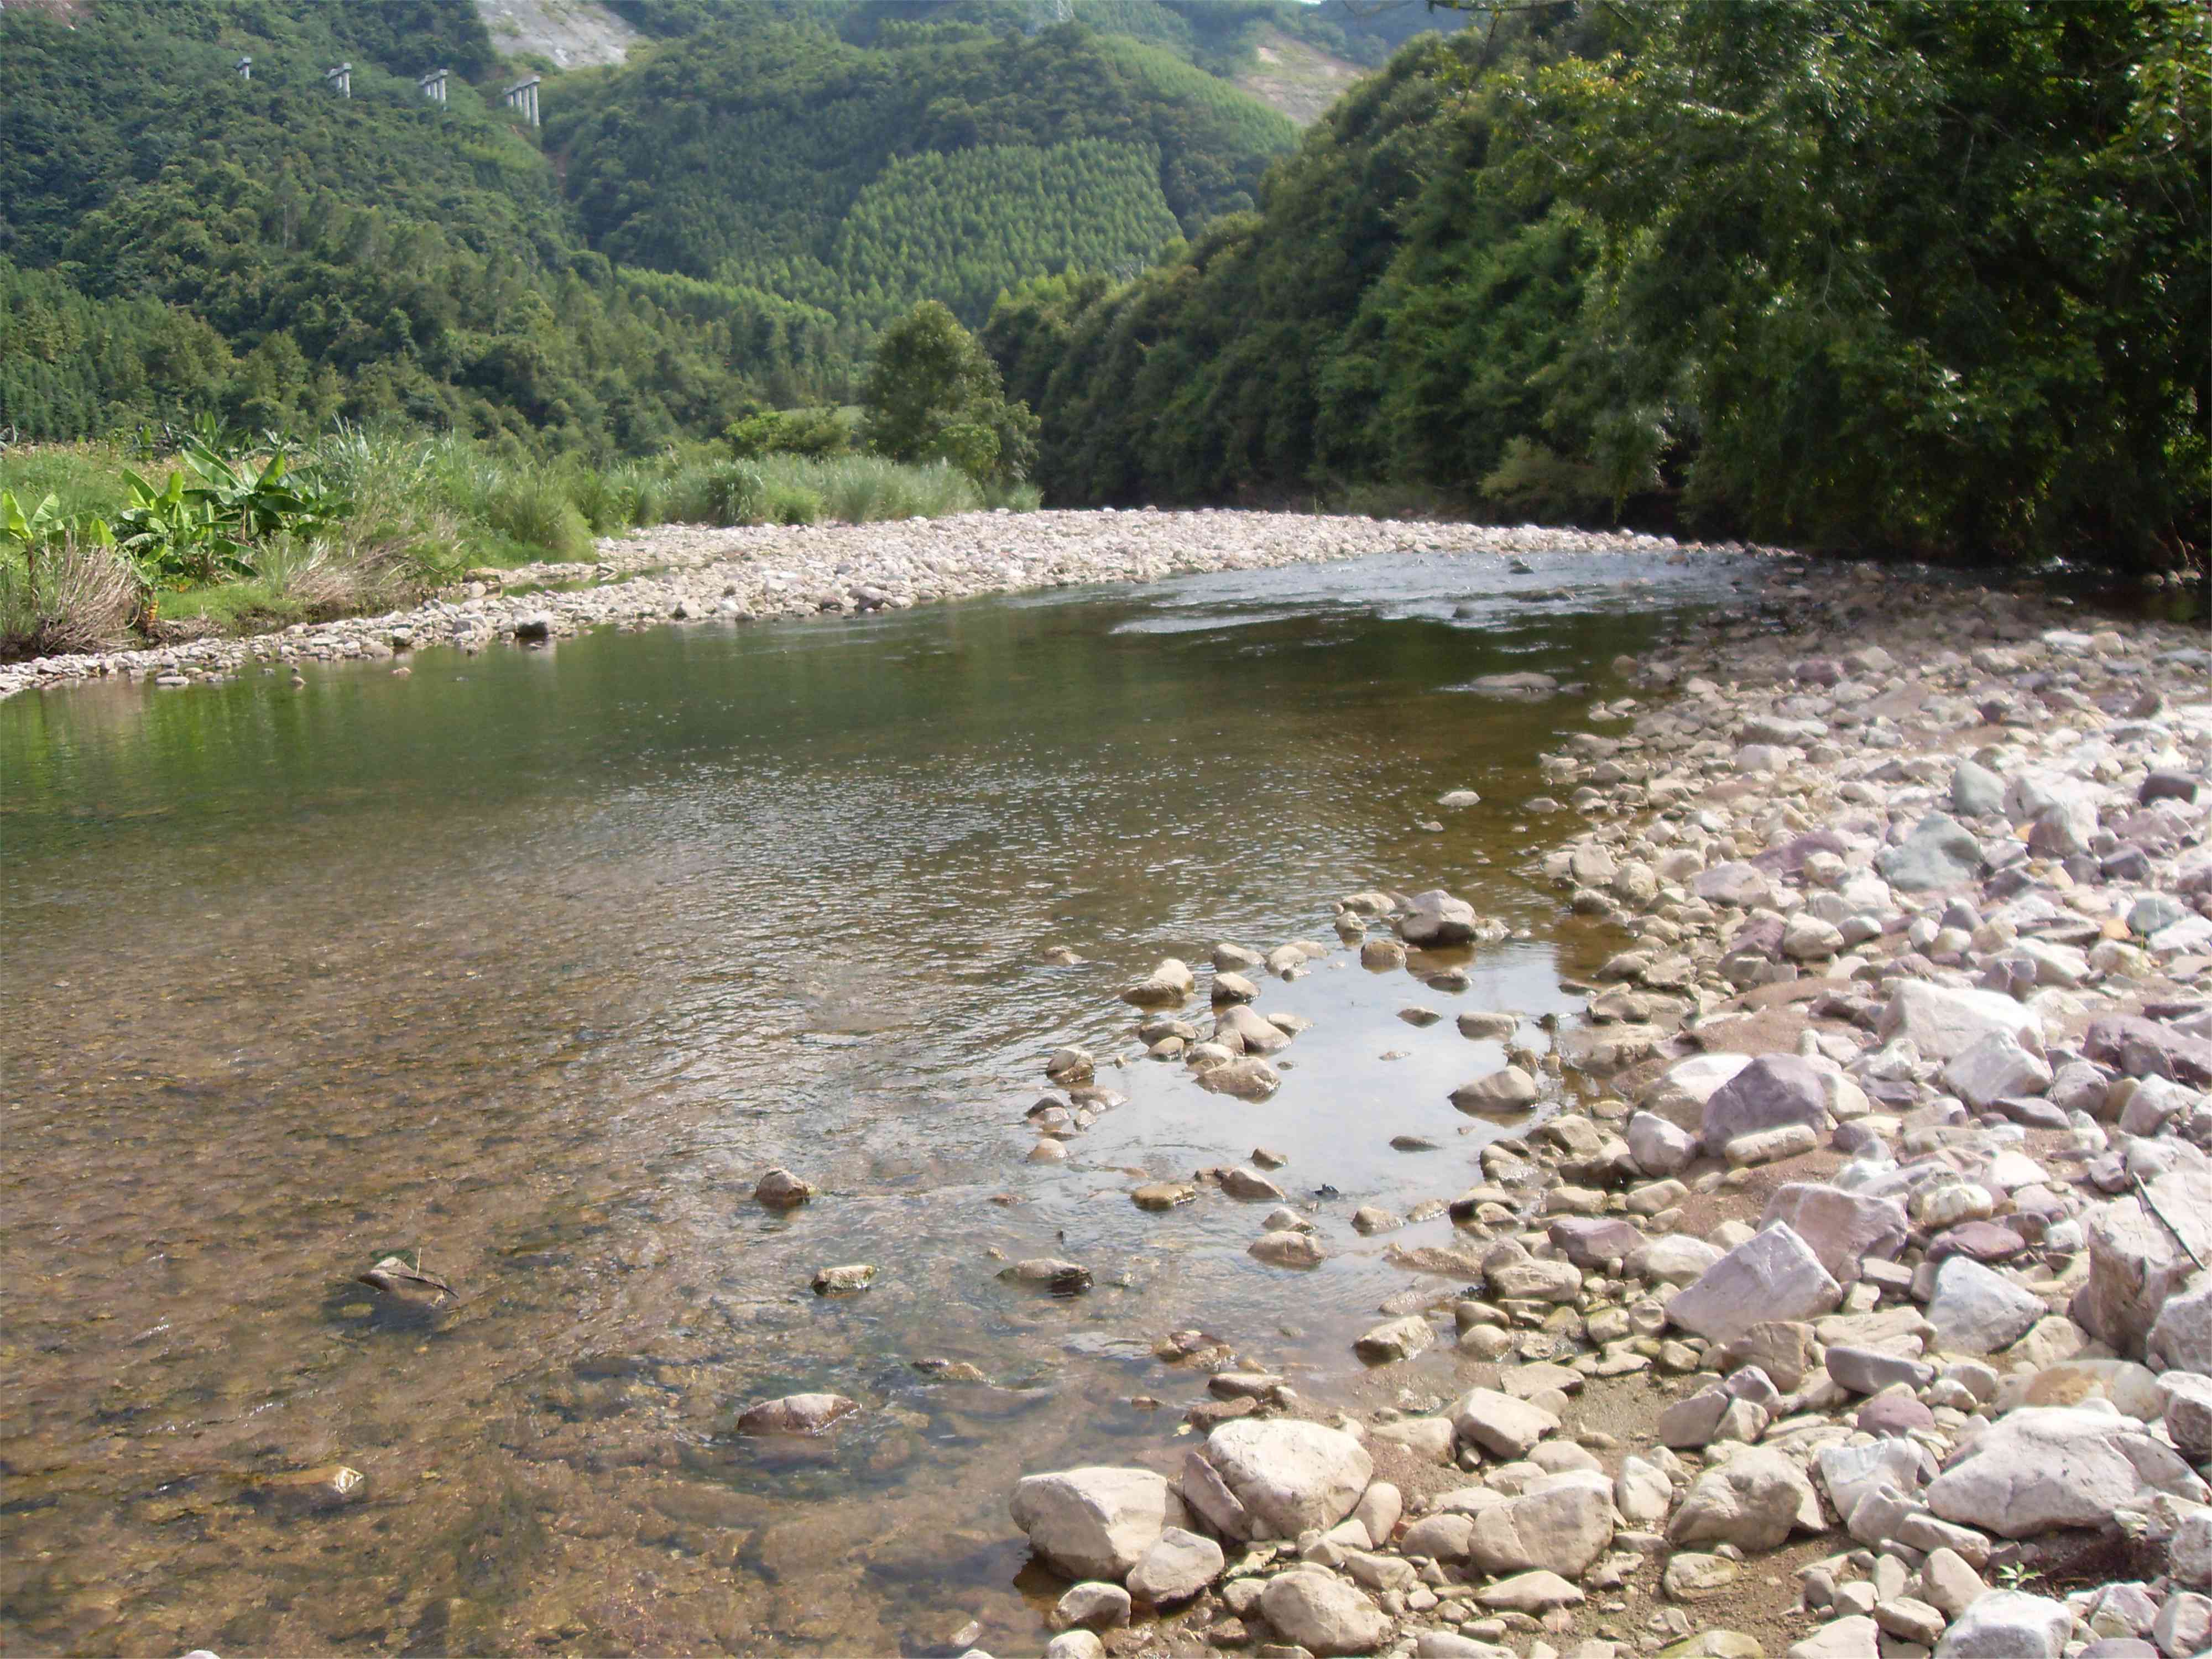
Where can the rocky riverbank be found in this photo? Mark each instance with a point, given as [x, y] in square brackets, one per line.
[681, 572]
[1840, 1287]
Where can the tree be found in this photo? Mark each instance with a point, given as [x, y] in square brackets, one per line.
[1929, 274]
[935, 394]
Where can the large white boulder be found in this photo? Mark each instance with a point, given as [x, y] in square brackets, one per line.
[1564, 1523]
[1773, 1274]
[1753, 1501]
[1095, 1523]
[1944, 1021]
[2008, 1625]
[2061, 1466]
[1283, 1475]
[1321, 1614]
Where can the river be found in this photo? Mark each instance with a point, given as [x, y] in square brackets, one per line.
[533, 960]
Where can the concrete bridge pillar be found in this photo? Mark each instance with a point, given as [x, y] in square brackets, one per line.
[522, 97]
[341, 78]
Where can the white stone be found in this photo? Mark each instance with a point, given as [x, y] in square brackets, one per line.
[1395, 1339]
[1674, 1259]
[1642, 1492]
[1855, 1637]
[1564, 1524]
[1976, 1310]
[1288, 1475]
[1093, 1605]
[2008, 1625]
[1660, 1147]
[1378, 1510]
[2045, 1466]
[1323, 1614]
[1994, 1067]
[1095, 1523]
[1176, 1568]
[1500, 1424]
[1944, 1021]
[1773, 1274]
[1753, 1501]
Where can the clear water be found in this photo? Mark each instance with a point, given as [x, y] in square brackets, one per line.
[534, 960]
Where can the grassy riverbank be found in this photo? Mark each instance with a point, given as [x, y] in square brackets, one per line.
[364, 518]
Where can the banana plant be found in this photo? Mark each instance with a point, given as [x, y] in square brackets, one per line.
[263, 500]
[46, 523]
[27, 529]
[175, 536]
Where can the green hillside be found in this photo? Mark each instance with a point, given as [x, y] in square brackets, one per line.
[174, 239]
[1217, 35]
[1917, 276]
[775, 155]
[964, 227]
[727, 219]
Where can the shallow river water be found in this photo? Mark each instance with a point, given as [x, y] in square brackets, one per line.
[534, 961]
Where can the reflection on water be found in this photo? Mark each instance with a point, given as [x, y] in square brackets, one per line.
[532, 962]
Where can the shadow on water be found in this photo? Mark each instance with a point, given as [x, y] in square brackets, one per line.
[532, 962]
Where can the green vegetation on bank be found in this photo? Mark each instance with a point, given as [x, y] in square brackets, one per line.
[101, 546]
[1897, 276]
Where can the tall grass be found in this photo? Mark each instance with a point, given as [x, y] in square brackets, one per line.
[66, 596]
[866, 489]
[424, 508]
[83, 477]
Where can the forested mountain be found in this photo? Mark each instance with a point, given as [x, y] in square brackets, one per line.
[176, 239]
[726, 220]
[1935, 276]
[784, 157]
[1220, 36]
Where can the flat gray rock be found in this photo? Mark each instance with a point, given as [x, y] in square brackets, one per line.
[1773, 1091]
[1771, 1275]
[1940, 852]
[1944, 1021]
[1976, 1310]
[1975, 791]
[1842, 1228]
[2008, 1625]
[2042, 1467]
[1501, 1425]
